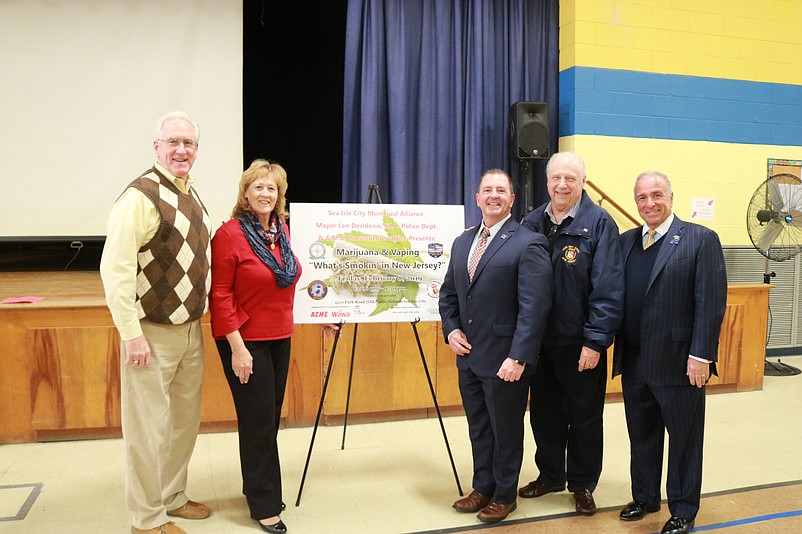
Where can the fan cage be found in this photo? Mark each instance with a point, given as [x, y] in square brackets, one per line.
[784, 217]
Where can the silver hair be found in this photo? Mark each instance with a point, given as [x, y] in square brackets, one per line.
[570, 155]
[176, 115]
[657, 174]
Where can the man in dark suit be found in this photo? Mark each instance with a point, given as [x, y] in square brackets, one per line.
[676, 292]
[494, 302]
[566, 403]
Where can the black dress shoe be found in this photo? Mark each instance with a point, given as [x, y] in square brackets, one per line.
[275, 528]
[677, 525]
[585, 505]
[537, 489]
[635, 510]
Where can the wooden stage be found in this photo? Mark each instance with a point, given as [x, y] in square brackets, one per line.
[60, 374]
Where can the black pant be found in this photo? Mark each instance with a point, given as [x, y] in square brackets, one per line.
[566, 410]
[652, 410]
[495, 412]
[258, 404]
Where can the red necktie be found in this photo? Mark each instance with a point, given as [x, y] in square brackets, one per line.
[477, 253]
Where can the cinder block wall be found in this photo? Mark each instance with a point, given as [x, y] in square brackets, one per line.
[703, 90]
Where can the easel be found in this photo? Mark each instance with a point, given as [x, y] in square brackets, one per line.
[373, 189]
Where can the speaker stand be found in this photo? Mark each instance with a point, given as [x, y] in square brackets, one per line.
[529, 186]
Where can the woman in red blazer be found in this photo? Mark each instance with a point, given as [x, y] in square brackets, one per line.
[254, 273]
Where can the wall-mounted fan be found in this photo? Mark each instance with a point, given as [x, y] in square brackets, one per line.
[774, 223]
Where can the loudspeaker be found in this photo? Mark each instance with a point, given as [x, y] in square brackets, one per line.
[529, 131]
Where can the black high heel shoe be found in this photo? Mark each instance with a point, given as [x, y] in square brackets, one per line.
[275, 528]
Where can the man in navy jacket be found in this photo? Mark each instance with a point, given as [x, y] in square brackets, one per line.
[494, 302]
[676, 293]
[568, 388]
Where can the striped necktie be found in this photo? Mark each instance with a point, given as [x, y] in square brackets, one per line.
[649, 240]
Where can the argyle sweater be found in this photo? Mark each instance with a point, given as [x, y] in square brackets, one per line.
[173, 278]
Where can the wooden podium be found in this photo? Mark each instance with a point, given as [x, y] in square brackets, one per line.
[60, 364]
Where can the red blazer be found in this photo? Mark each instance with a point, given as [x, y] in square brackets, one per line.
[244, 294]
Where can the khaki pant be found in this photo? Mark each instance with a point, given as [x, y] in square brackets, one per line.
[160, 420]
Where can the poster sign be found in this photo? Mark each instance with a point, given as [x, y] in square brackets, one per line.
[371, 263]
[703, 209]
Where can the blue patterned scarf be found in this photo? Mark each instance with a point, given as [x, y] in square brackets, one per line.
[261, 240]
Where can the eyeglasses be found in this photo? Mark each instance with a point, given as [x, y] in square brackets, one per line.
[189, 144]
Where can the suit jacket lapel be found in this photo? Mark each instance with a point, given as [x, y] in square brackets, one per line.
[462, 247]
[630, 246]
[667, 250]
[498, 241]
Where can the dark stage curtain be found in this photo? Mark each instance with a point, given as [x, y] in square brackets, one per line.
[428, 89]
[293, 57]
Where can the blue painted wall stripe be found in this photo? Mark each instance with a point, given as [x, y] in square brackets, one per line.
[747, 521]
[690, 108]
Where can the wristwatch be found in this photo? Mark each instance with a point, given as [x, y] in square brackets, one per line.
[519, 362]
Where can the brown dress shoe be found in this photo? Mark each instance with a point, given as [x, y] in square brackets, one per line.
[167, 528]
[585, 505]
[472, 503]
[191, 510]
[495, 512]
[536, 489]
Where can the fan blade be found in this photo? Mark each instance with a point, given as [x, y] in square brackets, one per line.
[793, 201]
[773, 229]
[796, 218]
[775, 197]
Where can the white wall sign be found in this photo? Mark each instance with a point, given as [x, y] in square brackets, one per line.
[703, 209]
[376, 263]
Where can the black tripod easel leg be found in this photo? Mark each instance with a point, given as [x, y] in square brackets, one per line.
[436, 406]
[350, 377]
[319, 411]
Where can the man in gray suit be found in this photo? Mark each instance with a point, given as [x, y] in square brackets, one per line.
[494, 303]
[676, 292]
